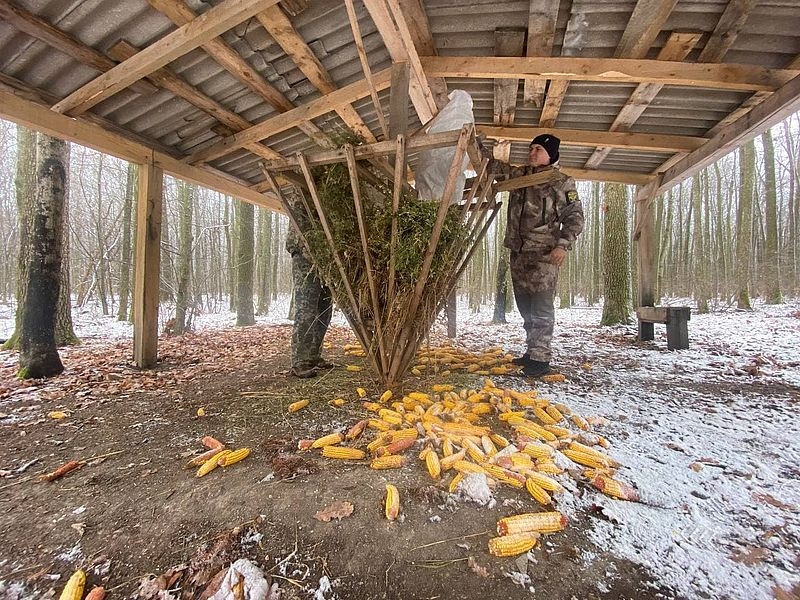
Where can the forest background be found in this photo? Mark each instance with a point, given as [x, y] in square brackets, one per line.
[725, 236]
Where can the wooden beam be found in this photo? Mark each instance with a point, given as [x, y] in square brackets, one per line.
[774, 109]
[542, 16]
[396, 36]
[43, 31]
[398, 101]
[556, 91]
[727, 76]
[584, 137]
[422, 38]
[507, 42]
[677, 47]
[625, 177]
[644, 238]
[148, 258]
[174, 45]
[80, 131]
[292, 118]
[643, 27]
[727, 30]
[283, 32]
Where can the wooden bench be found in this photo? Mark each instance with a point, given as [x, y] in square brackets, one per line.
[675, 317]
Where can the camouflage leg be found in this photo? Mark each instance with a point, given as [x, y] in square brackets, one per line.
[534, 289]
[309, 293]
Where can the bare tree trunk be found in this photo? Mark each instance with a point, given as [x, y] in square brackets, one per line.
[245, 214]
[744, 223]
[184, 266]
[617, 306]
[501, 283]
[596, 261]
[230, 248]
[698, 248]
[131, 184]
[65, 333]
[771, 255]
[38, 356]
[264, 260]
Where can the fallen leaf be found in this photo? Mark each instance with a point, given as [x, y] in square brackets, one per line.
[338, 510]
[57, 414]
[781, 594]
[750, 556]
[79, 527]
[201, 412]
[695, 466]
[772, 501]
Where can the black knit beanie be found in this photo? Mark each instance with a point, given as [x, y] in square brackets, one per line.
[550, 143]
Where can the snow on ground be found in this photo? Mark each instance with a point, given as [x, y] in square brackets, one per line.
[709, 436]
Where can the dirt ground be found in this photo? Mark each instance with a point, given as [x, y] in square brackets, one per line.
[138, 513]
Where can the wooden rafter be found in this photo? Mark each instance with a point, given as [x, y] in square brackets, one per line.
[422, 38]
[43, 31]
[507, 42]
[41, 118]
[774, 109]
[542, 15]
[396, 36]
[725, 76]
[585, 137]
[174, 45]
[292, 118]
[727, 30]
[677, 47]
[646, 21]
[283, 32]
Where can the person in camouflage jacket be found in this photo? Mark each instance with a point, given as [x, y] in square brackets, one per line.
[313, 305]
[544, 220]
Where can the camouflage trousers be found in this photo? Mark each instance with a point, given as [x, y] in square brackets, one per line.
[312, 312]
[534, 283]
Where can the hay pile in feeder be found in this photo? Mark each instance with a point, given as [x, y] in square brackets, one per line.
[389, 258]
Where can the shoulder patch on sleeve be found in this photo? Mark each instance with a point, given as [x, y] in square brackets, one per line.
[572, 195]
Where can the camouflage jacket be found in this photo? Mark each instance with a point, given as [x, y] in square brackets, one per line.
[543, 216]
[293, 242]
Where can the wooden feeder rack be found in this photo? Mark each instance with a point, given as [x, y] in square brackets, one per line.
[399, 321]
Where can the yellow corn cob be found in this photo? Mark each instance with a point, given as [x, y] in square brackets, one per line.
[343, 453]
[536, 431]
[442, 387]
[463, 466]
[542, 415]
[562, 408]
[379, 424]
[353, 368]
[464, 429]
[408, 433]
[444, 373]
[420, 397]
[383, 439]
[454, 483]
[516, 418]
[520, 459]
[544, 522]
[386, 396]
[416, 371]
[337, 402]
[233, 457]
[448, 461]
[474, 452]
[537, 492]
[537, 450]
[295, 406]
[432, 464]
[499, 440]
[392, 507]
[356, 430]
[578, 447]
[512, 545]
[615, 489]
[390, 461]
[554, 413]
[362, 393]
[554, 378]
[603, 442]
[585, 459]
[580, 422]
[327, 440]
[74, 588]
[371, 406]
[488, 446]
[548, 466]
[447, 447]
[503, 475]
[390, 416]
[211, 464]
[543, 481]
[559, 432]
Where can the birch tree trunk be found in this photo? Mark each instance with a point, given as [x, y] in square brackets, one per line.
[617, 305]
[772, 265]
[744, 223]
[245, 215]
[38, 356]
[126, 252]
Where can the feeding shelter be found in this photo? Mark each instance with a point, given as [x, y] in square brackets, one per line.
[641, 92]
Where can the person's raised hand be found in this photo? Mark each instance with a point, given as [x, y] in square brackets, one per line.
[558, 255]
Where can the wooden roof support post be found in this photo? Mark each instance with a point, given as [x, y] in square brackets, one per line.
[644, 237]
[148, 259]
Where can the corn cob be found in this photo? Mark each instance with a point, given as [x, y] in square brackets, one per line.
[548, 466]
[454, 483]
[580, 422]
[577, 446]
[432, 464]
[337, 402]
[442, 387]
[362, 393]
[201, 458]
[211, 443]
[98, 593]
[520, 459]
[424, 452]
[538, 450]
[390, 416]
[295, 406]
[392, 507]
[447, 447]
[474, 452]
[503, 476]
[304, 445]
[544, 482]
[447, 462]
[395, 447]
[416, 371]
[74, 588]
[343, 453]
[601, 441]
[499, 440]
[463, 466]
[537, 492]
[371, 406]
[553, 378]
[546, 522]
[488, 446]
[327, 440]
[353, 368]
[554, 413]
[211, 464]
[512, 545]
[559, 432]
[233, 457]
[390, 461]
[356, 430]
[379, 424]
[585, 459]
[420, 397]
[543, 416]
[386, 396]
[615, 489]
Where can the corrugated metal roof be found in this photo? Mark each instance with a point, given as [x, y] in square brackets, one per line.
[770, 37]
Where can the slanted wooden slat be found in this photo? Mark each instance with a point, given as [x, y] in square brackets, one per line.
[422, 38]
[643, 27]
[542, 15]
[727, 30]
[192, 35]
[556, 91]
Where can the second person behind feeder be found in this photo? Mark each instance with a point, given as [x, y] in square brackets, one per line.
[543, 222]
